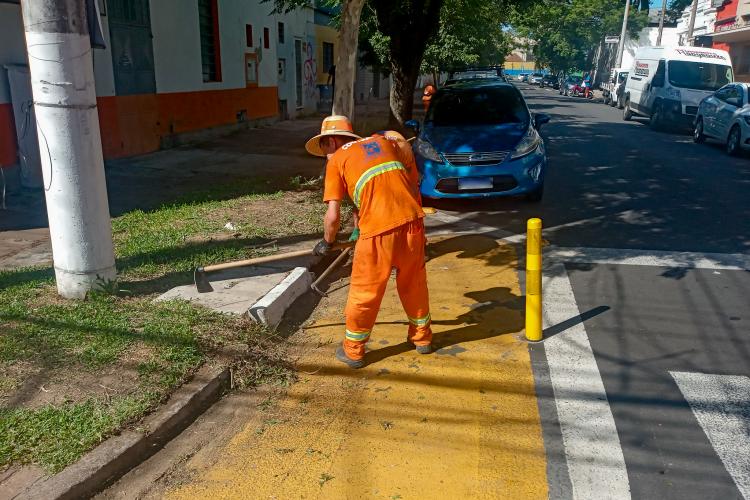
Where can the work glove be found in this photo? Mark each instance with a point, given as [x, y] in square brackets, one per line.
[355, 235]
[322, 249]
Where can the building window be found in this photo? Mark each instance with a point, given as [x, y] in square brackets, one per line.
[282, 70]
[249, 35]
[327, 56]
[266, 38]
[208, 23]
[281, 32]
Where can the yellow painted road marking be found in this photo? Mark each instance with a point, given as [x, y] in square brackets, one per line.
[461, 423]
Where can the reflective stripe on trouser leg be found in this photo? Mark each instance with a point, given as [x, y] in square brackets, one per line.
[411, 282]
[370, 272]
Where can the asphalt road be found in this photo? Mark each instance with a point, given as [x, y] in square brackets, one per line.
[616, 184]
[671, 341]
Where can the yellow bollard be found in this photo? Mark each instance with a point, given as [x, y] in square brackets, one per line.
[534, 280]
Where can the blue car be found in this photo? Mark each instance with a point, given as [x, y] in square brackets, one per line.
[480, 140]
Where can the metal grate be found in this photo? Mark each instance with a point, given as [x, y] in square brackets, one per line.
[475, 158]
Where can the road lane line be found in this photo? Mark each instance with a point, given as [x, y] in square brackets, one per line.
[695, 260]
[721, 403]
[592, 446]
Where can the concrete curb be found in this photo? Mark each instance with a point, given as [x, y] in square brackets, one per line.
[271, 308]
[116, 456]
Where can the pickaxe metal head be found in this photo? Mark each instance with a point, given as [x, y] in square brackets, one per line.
[201, 281]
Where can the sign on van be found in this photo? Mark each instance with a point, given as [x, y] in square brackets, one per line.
[641, 69]
[700, 54]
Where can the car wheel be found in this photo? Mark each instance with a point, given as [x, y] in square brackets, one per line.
[536, 195]
[626, 113]
[657, 118]
[698, 135]
[733, 142]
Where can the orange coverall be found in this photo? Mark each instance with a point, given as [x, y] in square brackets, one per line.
[429, 91]
[379, 177]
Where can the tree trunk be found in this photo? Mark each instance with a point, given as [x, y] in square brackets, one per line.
[346, 59]
[402, 93]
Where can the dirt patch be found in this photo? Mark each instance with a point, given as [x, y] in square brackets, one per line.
[34, 386]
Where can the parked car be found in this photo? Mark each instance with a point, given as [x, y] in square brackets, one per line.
[614, 88]
[522, 77]
[725, 116]
[550, 81]
[568, 86]
[667, 84]
[479, 139]
[535, 78]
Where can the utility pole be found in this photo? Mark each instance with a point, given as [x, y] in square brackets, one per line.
[623, 33]
[693, 11]
[661, 21]
[62, 82]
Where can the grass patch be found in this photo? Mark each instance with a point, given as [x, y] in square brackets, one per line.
[74, 373]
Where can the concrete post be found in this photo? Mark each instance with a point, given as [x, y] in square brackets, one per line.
[661, 21]
[691, 26]
[623, 33]
[62, 81]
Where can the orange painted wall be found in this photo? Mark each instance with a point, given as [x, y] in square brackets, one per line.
[7, 135]
[133, 125]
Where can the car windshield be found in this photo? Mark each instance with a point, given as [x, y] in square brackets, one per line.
[468, 75]
[699, 75]
[478, 106]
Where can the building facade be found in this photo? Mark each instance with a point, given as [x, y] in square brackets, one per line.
[174, 69]
[732, 33]
[705, 17]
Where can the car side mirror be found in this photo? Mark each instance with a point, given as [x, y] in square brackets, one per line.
[413, 125]
[540, 120]
[734, 102]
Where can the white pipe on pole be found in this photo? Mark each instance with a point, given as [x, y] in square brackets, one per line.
[62, 80]
[623, 33]
[661, 22]
[691, 27]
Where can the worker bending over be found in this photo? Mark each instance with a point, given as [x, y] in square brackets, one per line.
[380, 178]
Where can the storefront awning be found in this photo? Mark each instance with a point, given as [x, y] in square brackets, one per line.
[731, 36]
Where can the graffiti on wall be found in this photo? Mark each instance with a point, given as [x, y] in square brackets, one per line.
[309, 69]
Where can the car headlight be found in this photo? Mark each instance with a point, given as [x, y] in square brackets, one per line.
[674, 93]
[528, 144]
[426, 150]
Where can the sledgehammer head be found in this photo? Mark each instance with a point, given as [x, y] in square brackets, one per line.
[201, 281]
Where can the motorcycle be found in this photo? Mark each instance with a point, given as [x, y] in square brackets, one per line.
[579, 90]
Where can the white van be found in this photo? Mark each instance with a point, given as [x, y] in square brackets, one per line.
[667, 84]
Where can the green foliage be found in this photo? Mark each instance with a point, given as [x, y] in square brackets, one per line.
[471, 33]
[565, 31]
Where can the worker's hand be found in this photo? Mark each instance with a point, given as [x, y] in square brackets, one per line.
[355, 235]
[322, 249]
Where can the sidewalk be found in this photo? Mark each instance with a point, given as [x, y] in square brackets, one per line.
[460, 423]
[275, 154]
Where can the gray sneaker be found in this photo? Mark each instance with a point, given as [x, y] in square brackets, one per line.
[351, 363]
[423, 349]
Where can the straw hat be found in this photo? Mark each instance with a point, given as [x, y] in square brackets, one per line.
[392, 134]
[332, 125]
